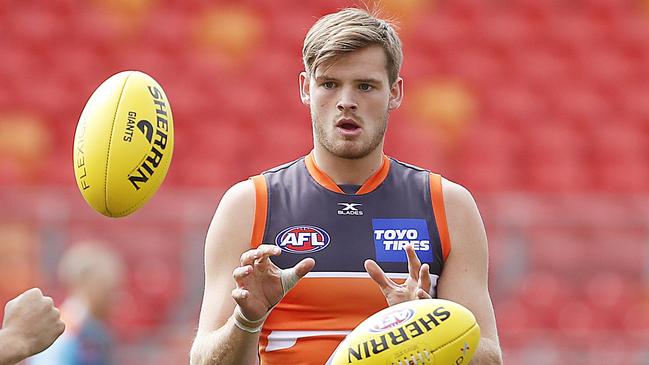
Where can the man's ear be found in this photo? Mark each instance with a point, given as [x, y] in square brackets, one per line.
[305, 92]
[396, 94]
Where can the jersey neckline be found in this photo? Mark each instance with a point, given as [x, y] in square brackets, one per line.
[325, 181]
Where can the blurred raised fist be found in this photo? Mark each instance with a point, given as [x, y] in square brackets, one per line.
[31, 322]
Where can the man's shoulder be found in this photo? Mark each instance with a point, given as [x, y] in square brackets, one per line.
[243, 193]
[283, 167]
[408, 166]
[453, 191]
[457, 196]
[239, 194]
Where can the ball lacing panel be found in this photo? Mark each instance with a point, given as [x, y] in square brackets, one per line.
[421, 358]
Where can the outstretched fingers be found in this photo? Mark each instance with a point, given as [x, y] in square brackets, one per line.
[240, 273]
[413, 262]
[303, 267]
[424, 283]
[265, 251]
[378, 275]
[422, 294]
[239, 294]
[292, 275]
[259, 254]
[251, 260]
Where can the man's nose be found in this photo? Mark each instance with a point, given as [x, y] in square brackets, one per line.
[346, 101]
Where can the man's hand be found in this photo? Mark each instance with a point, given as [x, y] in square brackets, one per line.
[261, 284]
[417, 286]
[32, 322]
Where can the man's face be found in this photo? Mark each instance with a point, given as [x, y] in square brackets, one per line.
[101, 288]
[350, 100]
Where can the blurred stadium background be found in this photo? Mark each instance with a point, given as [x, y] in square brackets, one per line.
[541, 108]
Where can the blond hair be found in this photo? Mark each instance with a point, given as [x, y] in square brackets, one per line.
[88, 262]
[349, 30]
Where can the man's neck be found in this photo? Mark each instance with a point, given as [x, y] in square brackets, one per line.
[348, 171]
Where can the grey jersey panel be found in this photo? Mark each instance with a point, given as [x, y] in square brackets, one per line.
[340, 231]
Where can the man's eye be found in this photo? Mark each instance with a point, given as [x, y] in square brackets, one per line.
[365, 87]
[329, 85]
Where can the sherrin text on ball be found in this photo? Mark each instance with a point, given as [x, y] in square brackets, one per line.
[422, 332]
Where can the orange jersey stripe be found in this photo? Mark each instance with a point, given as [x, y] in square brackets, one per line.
[323, 179]
[437, 197]
[319, 176]
[376, 179]
[314, 317]
[261, 209]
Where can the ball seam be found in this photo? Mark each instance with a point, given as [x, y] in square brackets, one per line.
[456, 338]
[110, 142]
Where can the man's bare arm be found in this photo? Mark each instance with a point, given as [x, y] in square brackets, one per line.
[218, 340]
[242, 284]
[464, 278]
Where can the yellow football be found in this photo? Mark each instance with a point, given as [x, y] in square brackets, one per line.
[123, 143]
[422, 332]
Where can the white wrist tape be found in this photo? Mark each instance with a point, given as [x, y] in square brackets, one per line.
[245, 324]
[289, 279]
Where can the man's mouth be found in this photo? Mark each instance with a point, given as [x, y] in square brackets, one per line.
[347, 124]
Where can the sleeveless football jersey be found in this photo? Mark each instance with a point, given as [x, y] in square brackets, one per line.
[301, 210]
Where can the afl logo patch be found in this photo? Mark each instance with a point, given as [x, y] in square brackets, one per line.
[392, 319]
[302, 239]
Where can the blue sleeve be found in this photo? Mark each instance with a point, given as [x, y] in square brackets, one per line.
[62, 352]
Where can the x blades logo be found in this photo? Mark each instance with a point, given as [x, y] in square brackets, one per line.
[350, 209]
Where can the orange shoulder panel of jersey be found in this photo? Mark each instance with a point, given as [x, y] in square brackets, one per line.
[315, 316]
[437, 196]
[261, 209]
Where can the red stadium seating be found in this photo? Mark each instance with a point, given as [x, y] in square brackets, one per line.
[527, 68]
[558, 136]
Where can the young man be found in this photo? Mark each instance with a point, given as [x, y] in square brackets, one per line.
[31, 324]
[345, 206]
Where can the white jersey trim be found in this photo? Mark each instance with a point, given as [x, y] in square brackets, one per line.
[342, 274]
[280, 340]
[391, 275]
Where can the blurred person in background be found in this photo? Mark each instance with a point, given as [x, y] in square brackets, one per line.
[31, 324]
[347, 192]
[92, 275]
